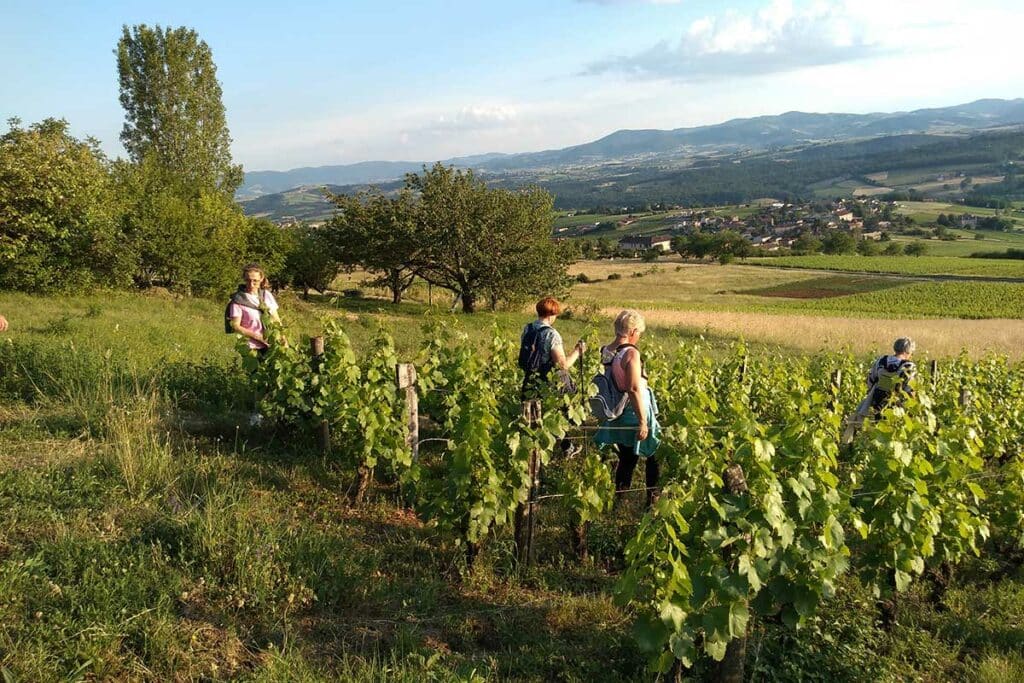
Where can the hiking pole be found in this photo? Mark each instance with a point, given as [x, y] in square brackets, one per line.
[579, 387]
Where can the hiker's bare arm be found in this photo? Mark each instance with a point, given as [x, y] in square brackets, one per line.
[564, 362]
[236, 325]
[3, 324]
[631, 364]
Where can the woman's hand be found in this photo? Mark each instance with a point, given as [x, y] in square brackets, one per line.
[642, 431]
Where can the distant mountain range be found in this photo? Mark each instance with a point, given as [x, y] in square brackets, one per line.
[677, 147]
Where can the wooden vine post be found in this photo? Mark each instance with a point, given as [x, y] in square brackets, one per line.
[731, 668]
[837, 385]
[323, 430]
[524, 517]
[405, 380]
[965, 398]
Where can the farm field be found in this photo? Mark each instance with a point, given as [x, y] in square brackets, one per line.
[928, 212]
[903, 265]
[739, 288]
[150, 534]
[968, 243]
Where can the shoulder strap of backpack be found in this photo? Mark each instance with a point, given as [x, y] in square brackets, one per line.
[608, 367]
[239, 298]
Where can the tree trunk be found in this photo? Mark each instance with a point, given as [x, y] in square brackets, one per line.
[396, 288]
[579, 539]
[468, 302]
[730, 669]
[364, 475]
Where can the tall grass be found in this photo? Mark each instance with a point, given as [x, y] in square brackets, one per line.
[137, 449]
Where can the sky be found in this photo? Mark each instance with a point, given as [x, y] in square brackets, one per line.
[317, 83]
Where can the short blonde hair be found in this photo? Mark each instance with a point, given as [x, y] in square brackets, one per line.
[629, 320]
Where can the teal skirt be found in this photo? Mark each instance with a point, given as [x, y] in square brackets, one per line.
[622, 430]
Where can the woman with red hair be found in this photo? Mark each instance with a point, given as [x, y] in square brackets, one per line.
[541, 350]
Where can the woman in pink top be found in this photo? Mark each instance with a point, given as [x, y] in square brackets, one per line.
[248, 305]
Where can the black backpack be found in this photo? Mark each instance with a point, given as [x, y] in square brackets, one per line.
[239, 298]
[532, 359]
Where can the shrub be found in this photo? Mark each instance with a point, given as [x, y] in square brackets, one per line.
[615, 276]
[354, 293]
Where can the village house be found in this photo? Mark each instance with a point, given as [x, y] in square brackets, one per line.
[645, 242]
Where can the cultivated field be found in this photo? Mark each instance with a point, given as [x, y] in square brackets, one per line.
[903, 265]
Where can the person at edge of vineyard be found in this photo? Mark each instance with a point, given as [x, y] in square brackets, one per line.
[541, 350]
[3, 324]
[636, 433]
[891, 376]
[244, 315]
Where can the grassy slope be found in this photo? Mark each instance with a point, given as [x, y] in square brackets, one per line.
[142, 542]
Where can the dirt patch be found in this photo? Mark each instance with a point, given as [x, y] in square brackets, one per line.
[807, 293]
[825, 287]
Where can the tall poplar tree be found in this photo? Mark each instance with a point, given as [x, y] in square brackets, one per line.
[174, 115]
[181, 217]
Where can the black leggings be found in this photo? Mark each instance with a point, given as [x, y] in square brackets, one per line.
[627, 463]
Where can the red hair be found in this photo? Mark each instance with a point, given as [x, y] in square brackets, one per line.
[548, 306]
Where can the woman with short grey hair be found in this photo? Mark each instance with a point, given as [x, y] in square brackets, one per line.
[636, 432]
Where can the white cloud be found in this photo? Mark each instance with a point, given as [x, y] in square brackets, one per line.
[777, 38]
[477, 117]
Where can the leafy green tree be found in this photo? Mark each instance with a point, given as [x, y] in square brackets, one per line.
[311, 263]
[378, 233]
[269, 245]
[893, 249]
[867, 248]
[806, 243]
[173, 107]
[481, 242]
[994, 223]
[916, 248]
[838, 242]
[58, 228]
[732, 244]
[179, 185]
[697, 245]
[605, 247]
[182, 240]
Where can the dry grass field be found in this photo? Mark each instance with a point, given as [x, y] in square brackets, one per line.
[810, 333]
